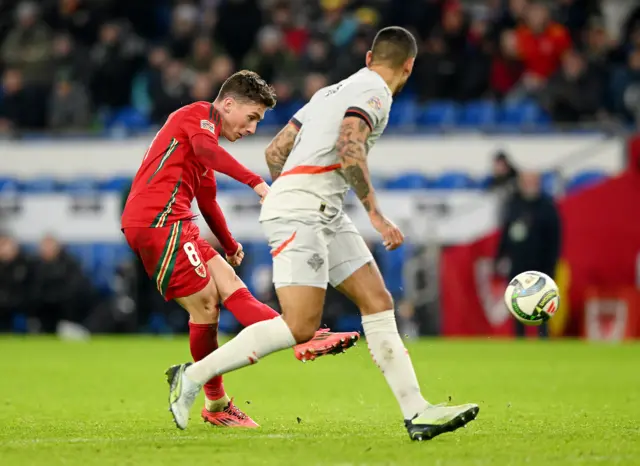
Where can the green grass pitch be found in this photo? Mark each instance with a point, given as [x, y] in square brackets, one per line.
[105, 403]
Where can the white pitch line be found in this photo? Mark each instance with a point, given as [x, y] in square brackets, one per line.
[60, 441]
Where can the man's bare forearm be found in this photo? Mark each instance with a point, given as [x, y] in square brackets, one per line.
[352, 150]
[279, 149]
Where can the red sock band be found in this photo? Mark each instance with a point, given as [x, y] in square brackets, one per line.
[203, 340]
[248, 310]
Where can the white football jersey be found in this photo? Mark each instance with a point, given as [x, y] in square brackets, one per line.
[312, 175]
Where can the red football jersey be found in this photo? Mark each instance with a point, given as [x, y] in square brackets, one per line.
[171, 173]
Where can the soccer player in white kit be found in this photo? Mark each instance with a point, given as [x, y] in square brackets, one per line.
[314, 161]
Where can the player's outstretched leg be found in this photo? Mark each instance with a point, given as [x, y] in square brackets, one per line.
[203, 340]
[248, 311]
[423, 420]
[248, 347]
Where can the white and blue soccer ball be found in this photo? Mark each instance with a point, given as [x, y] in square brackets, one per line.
[532, 297]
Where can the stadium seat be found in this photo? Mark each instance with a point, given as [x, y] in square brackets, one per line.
[9, 186]
[227, 323]
[524, 112]
[454, 180]
[409, 181]
[479, 113]
[258, 252]
[585, 179]
[550, 183]
[348, 323]
[81, 185]
[392, 265]
[116, 184]
[485, 182]
[403, 113]
[83, 252]
[437, 114]
[286, 110]
[40, 185]
[128, 118]
[271, 118]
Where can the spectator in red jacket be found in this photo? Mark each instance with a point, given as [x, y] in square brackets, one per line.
[541, 42]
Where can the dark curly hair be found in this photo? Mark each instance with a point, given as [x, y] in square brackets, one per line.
[248, 86]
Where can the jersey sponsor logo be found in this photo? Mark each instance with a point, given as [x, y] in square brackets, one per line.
[375, 103]
[201, 271]
[206, 124]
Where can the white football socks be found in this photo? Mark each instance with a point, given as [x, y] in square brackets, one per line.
[251, 344]
[389, 353]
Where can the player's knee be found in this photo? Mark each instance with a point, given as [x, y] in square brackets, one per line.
[203, 306]
[226, 280]
[377, 301]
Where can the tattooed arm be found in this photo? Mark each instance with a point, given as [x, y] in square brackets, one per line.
[280, 148]
[352, 150]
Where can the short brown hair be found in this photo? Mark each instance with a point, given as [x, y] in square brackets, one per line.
[393, 46]
[248, 86]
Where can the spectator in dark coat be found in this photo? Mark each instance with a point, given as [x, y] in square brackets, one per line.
[531, 235]
[15, 271]
[574, 93]
[62, 291]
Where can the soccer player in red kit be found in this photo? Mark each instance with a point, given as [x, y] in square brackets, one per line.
[157, 222]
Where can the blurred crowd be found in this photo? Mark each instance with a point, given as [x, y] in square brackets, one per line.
[66, 64]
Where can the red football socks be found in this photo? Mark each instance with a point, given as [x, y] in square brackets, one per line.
[203, 340]
[248, 310]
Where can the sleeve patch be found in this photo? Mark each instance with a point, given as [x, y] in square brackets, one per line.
[207, 125]
[375, 103]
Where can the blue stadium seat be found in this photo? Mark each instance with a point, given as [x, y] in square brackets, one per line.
[479, 113]
[524, 112]
[286, 110]
[128, 118]
[226, 183]
[44, 184]
[271, 118]
[585, 179]
[258, 252]
[550, 183]
[9, 186]
[409, 181]
[438, 114]
[348, 323]
[83, 252]
[392, 265]
[454, 180]
[116, 184]
[81, 185]
[485, 181]
[404, 112]
[227, 323]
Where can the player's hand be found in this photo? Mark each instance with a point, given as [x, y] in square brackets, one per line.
[392, 237]
[262, 190]
[236, 259]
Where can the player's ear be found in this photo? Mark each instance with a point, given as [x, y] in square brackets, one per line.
[227, 104]
[408, 66]
[368, 59]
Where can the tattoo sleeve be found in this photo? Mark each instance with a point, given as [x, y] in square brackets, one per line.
[352, 150]
[279, 149]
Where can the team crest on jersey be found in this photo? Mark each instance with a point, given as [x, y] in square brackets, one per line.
[206, 124]
[315, 262]
[375, 103]
[201, 271]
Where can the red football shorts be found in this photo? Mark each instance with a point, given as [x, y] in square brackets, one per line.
[175, 257]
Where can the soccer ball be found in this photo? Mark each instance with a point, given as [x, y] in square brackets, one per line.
[532, 297]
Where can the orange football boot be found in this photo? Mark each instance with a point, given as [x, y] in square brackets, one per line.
[231, 416]
[325, 342]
